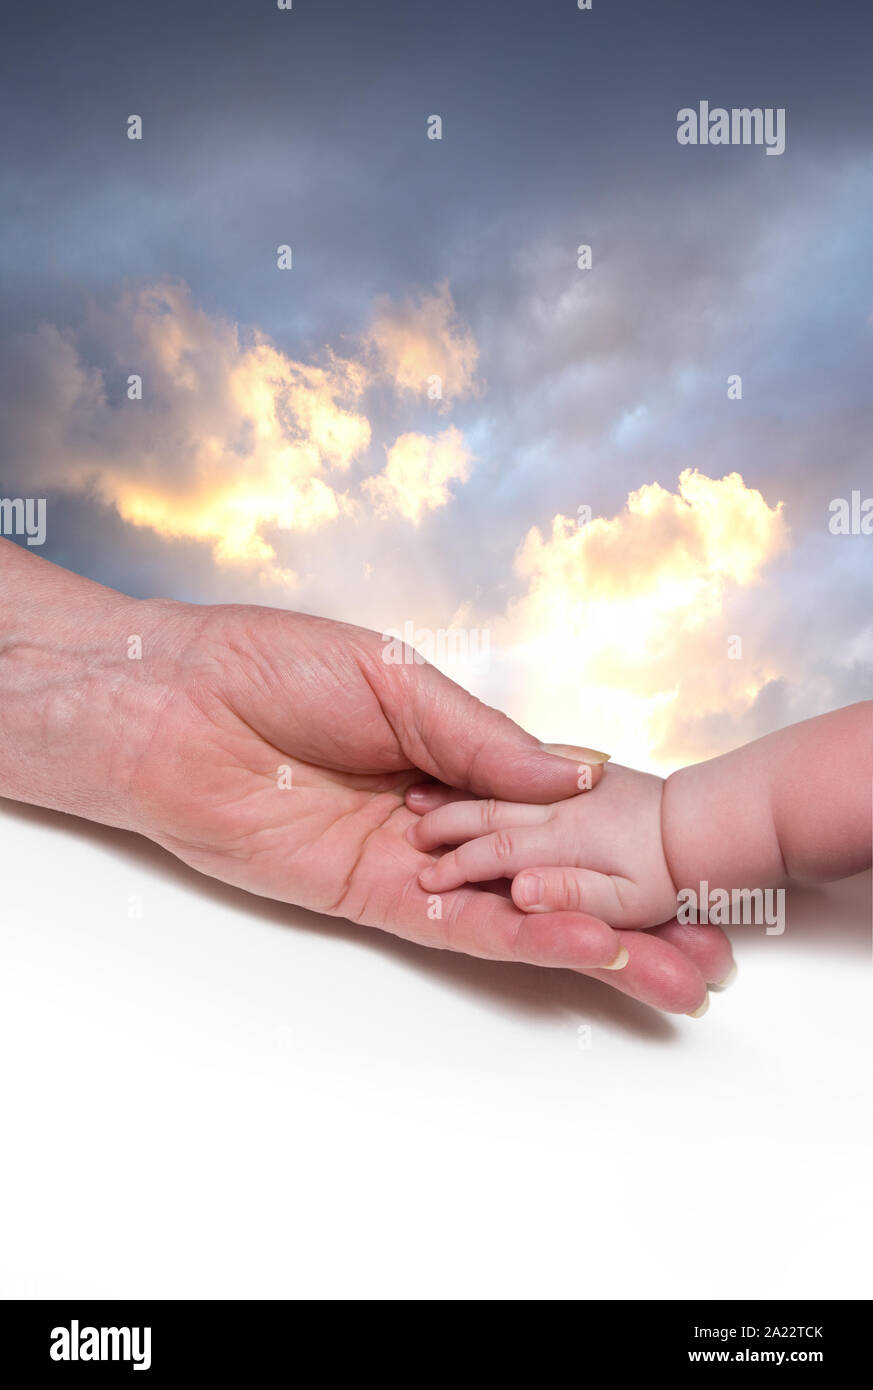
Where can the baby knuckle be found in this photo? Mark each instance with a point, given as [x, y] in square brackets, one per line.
[488, 812]
[569, 891]
[503, 845]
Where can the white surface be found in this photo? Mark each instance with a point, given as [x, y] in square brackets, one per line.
[230, 1098]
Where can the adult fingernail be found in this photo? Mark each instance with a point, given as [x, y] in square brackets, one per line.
[620, 961]
[578, 755]
[727, 981]
[529, 890]
[699, 1012]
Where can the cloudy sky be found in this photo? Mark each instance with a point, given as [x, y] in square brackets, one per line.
[435, 421]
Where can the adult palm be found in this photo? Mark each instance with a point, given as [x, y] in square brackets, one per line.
[279, 759]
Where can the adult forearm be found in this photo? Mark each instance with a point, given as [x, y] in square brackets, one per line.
[75, 709]
[795, 805]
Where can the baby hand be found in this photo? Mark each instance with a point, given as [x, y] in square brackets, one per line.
[606, 845]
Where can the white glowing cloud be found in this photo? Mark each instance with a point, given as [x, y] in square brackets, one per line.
[623, 628]
[418, 472]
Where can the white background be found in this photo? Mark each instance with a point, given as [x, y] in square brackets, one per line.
[226, 1097]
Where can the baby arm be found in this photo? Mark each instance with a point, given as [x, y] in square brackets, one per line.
[794, 806]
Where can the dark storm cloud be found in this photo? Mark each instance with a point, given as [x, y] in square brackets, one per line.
[307, 126]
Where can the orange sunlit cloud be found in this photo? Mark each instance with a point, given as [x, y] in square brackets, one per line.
[231, 436]
[297, 436]
[620, 637]
[424, 348]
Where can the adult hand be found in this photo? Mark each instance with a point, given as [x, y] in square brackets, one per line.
[273, 750]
